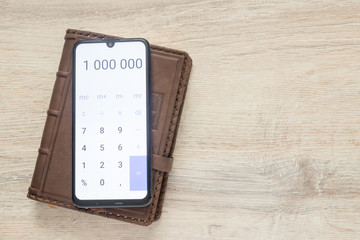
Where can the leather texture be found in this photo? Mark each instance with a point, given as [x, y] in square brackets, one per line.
[51, 182]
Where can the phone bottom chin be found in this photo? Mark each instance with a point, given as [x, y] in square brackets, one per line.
[89, 203]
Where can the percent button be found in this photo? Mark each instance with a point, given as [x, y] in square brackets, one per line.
[83, 182]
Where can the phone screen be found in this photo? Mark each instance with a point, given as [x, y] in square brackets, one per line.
[111, 123]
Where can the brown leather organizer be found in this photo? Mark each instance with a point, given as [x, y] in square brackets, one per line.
[51, 182]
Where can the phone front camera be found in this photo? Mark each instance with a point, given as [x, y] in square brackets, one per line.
[110, 44]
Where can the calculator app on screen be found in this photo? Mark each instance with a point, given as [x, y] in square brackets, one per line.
[111, 121]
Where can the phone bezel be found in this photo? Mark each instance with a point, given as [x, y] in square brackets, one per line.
[103, 203]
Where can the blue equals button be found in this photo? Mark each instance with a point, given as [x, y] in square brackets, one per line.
[138, 174]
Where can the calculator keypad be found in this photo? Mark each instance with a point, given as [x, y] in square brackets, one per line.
[111, 144]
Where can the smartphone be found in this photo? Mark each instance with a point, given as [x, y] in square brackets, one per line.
[111, 123]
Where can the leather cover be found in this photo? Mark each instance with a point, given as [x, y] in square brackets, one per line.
[51, 182]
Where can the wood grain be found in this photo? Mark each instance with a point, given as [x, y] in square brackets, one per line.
[269, 142]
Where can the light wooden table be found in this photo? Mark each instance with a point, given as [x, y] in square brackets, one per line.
[269, 142]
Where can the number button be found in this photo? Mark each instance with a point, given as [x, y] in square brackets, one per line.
[102, 182]
[102, 148]
[102, 130]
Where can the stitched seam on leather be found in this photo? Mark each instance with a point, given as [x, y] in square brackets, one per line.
[86, 33]
[162, 195]
[174, 123]
[104, 36]
[68, 205]
[156, 190]
[178, 103]
[172, 129]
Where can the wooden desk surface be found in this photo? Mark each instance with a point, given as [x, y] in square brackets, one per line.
[269, 142]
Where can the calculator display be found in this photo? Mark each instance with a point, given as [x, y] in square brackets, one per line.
[111, 136]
